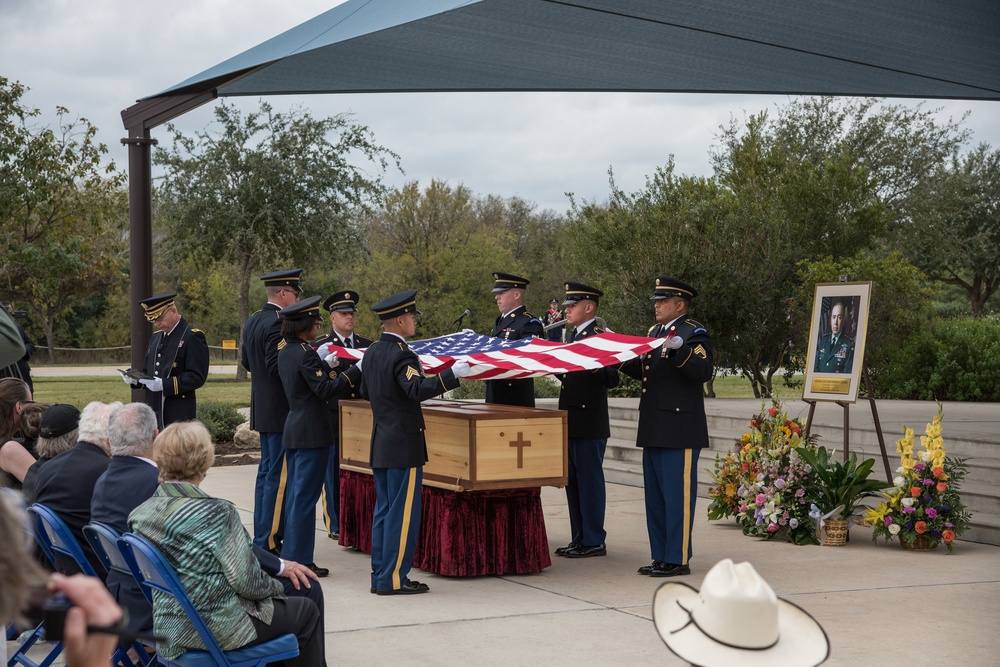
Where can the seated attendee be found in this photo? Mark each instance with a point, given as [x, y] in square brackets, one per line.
[57, 433]
[130, 480]
[66, 483]
[205, 541]
[15, 459]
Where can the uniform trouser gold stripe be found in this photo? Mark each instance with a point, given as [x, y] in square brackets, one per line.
[279, 504]
[411, 484]
[686, 534]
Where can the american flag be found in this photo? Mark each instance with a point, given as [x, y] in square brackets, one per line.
[496, 358]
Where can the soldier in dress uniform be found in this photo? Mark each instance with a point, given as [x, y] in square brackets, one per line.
[584, 395]
[835, 353]
[395, 384]
[268, 405]
[342, 306]
[514, 323]
[309, 383]
[177, 358]
[672, 424]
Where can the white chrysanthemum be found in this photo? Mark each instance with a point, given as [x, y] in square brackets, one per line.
[893, 529]
[899, 482]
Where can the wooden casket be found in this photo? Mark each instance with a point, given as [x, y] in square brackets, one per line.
[471, 445]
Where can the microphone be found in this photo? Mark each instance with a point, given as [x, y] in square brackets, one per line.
[458, 320]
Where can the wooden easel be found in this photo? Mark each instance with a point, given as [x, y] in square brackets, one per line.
[847, 421]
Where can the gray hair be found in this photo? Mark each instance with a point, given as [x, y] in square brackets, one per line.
[94, 423]
[49, 448]
[131, 430]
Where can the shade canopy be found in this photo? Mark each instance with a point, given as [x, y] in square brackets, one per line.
[896, 48]
[893, 48]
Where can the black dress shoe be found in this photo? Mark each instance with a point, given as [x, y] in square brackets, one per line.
[373, 590]
[670, 570]
[656, 564]
[561, 551]
[335, 535]
[318, 571]
[409, 588]
[587, 552]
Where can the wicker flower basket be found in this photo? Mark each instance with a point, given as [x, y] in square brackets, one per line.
[920, 543]
[836, 532]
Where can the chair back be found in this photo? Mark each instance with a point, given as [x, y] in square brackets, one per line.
[50, 529]
[104, 540]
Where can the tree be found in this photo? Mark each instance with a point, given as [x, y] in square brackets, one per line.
[437, 241]
[268, 190]
[954, 235]
[62, 213]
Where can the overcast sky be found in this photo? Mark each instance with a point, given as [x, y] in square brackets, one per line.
[96, 57]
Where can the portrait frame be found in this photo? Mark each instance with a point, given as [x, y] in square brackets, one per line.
[837, 334]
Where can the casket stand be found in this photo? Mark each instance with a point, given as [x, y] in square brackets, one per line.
[481, 510]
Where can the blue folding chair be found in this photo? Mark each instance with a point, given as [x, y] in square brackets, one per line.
[49, 530]
[104, 540]
[151, 569]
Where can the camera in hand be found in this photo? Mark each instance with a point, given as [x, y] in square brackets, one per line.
[49, 608]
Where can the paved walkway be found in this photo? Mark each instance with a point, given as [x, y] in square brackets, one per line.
[880, 605]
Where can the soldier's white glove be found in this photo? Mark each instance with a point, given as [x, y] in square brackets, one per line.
[156, 384]
[358, 363]
[461, 368]
[129, 381]
[332, 360]
[673, 342]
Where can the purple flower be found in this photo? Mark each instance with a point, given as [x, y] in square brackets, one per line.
[909, 510]
[943, 508]
[779, 483]
[887, 521]
[929, 482]
[909, 525]
[931, 513]
[919, 466]
[934, 533]
[793, 522]
[799, 493]
[948, 524]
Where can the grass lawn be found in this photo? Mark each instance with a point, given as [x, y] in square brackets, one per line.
[81, 390]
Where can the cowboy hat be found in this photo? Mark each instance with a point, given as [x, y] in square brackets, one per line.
[736, 619]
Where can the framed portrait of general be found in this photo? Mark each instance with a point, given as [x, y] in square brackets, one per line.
[837, 334]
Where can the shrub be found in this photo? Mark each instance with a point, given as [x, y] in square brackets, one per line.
[946, 360]
[221, 420]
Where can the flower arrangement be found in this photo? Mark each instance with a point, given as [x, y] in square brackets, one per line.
[763, 482]
[925, 502]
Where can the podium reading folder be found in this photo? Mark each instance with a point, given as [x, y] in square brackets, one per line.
[481, 510]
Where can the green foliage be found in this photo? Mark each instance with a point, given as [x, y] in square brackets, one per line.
[628, 387]
[900, 304]
[62, 213]
[954, 232]
[221, 420]
[834, 484]
[947, 360]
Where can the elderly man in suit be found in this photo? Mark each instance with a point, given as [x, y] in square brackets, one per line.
[66, 483]
[395, 384]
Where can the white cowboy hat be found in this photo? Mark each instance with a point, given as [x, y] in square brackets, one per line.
[736, 619]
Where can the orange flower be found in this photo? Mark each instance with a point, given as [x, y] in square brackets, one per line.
[948, 535]
[915, 491]
[938, 472]
[941, 486]
[920, 527]
[795, 429]
[773, 411]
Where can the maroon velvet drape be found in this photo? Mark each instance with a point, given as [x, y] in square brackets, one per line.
[461, 533]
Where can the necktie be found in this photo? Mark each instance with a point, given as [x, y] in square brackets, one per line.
[348, 343]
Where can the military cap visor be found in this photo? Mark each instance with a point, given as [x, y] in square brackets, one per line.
[505, 281]
[580, 292]
[396, 305]
[667, 287]
[290, 278]
[302, 309]
[342, 302]
[154, 306]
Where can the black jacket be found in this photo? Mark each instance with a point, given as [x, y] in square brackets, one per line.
[672, 403]
[309, 383]
[516, 325]
[261, 337]
[334, 403]
[181, 359]
[395, 385]
[584, 395]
